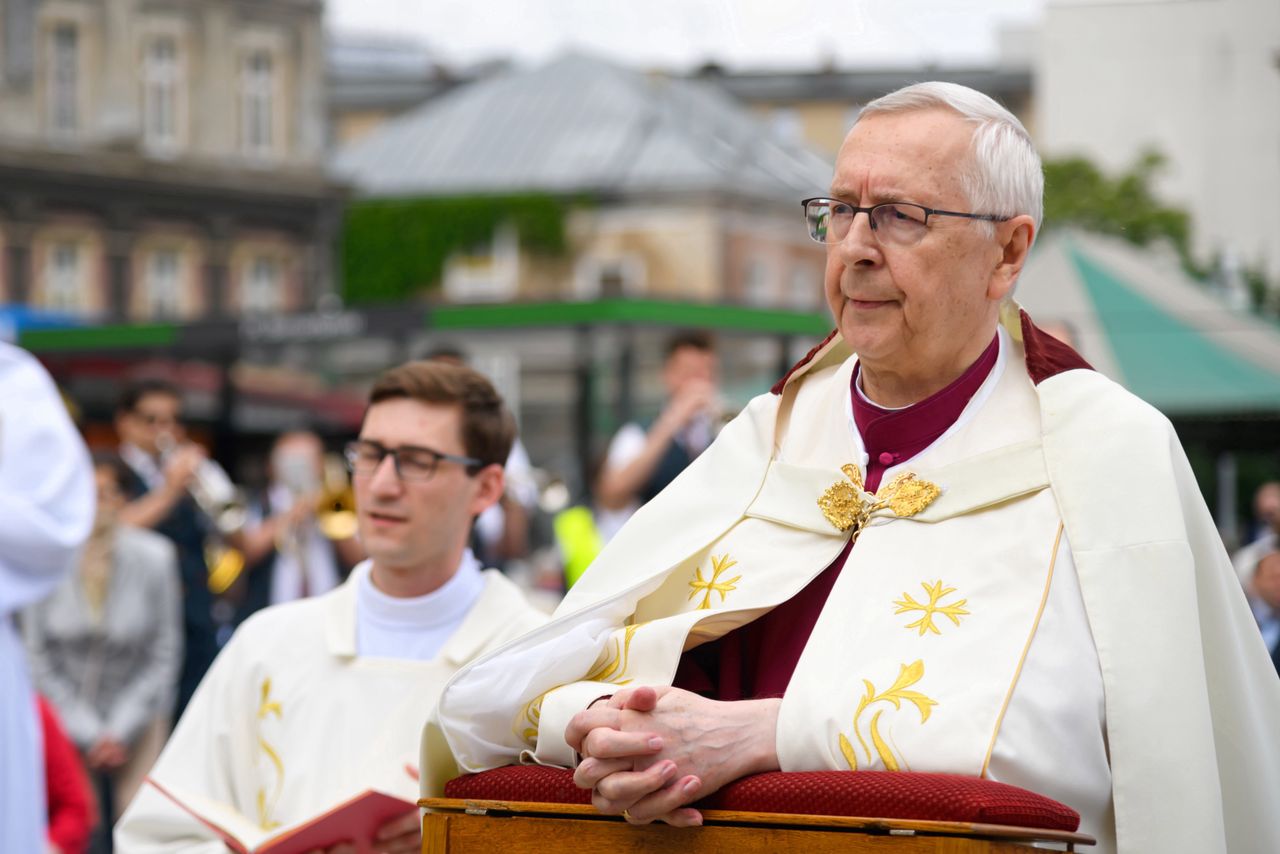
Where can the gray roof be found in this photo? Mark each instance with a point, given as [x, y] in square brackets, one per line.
[381, 71]
[1008, 85]
[581, 125]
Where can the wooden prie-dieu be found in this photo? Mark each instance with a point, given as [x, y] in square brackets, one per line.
[527, 808]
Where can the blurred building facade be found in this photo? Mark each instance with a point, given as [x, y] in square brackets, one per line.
[164, 160]
[818, 107]
[1197, 81]
[374, 78]
[685, 195]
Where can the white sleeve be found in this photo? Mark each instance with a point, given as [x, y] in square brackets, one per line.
[519, 473]
[627, 444]
[46, 483]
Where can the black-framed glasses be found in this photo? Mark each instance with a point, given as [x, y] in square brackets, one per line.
[894, 223]
[411, 462]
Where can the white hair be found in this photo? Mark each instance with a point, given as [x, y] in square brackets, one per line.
[1006, 177]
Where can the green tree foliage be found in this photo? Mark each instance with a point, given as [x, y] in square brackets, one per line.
[1077, 193]
[395, 249]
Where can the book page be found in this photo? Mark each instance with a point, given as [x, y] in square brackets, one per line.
[354, 820]
[240, 834]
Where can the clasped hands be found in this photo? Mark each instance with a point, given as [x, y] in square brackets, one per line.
[648, 752]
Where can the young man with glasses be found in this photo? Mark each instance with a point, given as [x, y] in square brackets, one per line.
[943, 544]
[316, 700]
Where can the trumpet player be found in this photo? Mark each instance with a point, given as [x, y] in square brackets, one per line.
[289, 554]
[644, 458]
[163, 469]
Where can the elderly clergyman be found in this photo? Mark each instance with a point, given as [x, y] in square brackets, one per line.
[943, 543]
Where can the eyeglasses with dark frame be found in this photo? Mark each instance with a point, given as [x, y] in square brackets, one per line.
[894, 223]
[411, 462]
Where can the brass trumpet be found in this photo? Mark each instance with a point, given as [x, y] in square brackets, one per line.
[336, 507]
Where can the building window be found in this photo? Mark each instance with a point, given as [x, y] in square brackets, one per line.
[257, 104]
[261, 291]
[163, 294]
[486, 273]
[62, 286]
[64, 80]
[757, 284]
[161, 88]
[609, 277]
[804, 289]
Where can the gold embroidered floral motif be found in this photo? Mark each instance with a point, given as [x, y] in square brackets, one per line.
[614, 667]
[908, 675]
[935, 592]
[714, 585]
[611, 670]
[848, 506]
[267, 707]
[529, 718]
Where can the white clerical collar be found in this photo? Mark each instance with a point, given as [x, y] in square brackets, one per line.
[448, 604]
[862, 395]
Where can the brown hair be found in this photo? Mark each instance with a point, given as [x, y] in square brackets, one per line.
[694, 339]
[488, 428]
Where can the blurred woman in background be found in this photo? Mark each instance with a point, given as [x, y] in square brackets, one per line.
[106, 648]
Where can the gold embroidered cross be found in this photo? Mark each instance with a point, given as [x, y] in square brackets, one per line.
[848, 506]
[935, 592]
[713, 584]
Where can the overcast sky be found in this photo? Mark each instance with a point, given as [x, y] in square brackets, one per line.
[680, 34]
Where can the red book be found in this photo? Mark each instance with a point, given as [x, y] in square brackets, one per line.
[354, 820]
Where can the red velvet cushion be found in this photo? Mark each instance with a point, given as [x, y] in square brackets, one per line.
[867, 794]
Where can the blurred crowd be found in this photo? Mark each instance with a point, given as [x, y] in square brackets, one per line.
[178, 556]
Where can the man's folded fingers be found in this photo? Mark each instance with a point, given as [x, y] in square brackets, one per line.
[581, 724]
[624, 788]
[665, 804]
[591, 770]
[606, 743]
[684, 817]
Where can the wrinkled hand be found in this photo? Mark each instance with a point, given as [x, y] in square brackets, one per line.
[652, 751]
[401, 835]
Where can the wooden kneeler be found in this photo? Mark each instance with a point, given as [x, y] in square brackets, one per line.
[527, 808]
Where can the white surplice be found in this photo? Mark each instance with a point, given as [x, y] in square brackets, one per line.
[1101, 651]
[290, 720]
[46, 510]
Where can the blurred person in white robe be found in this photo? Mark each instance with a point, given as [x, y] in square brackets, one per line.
[46, 511]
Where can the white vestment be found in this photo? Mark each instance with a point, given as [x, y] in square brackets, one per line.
[1059, 499]
[335, 723]
[46, 510]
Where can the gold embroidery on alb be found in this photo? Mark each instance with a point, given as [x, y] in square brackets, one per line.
[611, 670]
[848, 506]
[908, 675]
[935, 592]
[268, 706]
[714, 585]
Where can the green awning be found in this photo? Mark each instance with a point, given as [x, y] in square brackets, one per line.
[1143, 322]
